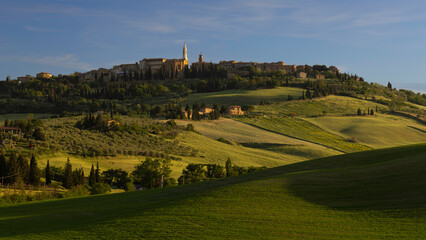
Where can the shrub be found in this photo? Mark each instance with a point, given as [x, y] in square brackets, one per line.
[100, 188]
[221, 139]
[76, 191]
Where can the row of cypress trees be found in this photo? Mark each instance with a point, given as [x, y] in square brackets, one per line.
[16, 169]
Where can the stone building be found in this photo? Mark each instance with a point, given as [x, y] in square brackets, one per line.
[320, 76]
[172, 68]
[25, 79]
[301, 75]
[43, 75]
[201, 65]
[227, 64]
[235, 110]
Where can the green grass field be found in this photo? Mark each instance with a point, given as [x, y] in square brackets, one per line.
[254, 137]
[244, 97]
[375, 131]
[301, 129]
[332, 105]
[208, 151]
[379, 194]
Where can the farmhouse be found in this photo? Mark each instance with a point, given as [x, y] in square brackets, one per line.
[14, 130]
[235, 110]
[204, 111]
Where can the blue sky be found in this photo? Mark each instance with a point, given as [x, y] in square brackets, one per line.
[379, 40]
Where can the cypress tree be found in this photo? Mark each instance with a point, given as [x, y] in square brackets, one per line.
[3, 166]
[12, 168]
[228, 168]
[92, 177]
[98, 173]
[359, 112]
[67, 182]
[48, 174]
[371, 112]
[23, 167]
[34, 173]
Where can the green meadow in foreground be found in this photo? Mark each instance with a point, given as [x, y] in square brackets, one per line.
[378, 194]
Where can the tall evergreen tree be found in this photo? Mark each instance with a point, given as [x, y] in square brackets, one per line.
[228, 168]
[34, 172]
[92, 177]
[98, 173]
[23, 167]
[67, 182]
[12, 168]
[3, 166]
[48, 173]
[78, 177]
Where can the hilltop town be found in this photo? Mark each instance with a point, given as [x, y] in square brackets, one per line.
[163, 68]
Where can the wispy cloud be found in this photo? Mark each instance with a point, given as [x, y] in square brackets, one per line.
[144, 25]
[37, 29]
[66, 61]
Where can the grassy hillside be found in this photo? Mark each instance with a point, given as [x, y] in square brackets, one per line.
[377, 194]
[254, 137]
[205, 151]
[332, 105]
[378, 131]
[244, 97]
[213, 151]
[301, 129]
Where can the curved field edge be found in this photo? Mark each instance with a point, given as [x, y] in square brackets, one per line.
[304, 130]
[255, 137]
[269, 204]
[375, 131]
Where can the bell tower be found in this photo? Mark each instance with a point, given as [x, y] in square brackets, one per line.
[200, 58]
[185, 51]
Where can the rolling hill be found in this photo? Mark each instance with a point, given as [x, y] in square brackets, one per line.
[244, 97]
[375, 131]
[331, 105]
[378, 194]
[254, 137]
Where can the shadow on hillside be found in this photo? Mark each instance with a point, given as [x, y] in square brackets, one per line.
[72, 214]
[394, 184]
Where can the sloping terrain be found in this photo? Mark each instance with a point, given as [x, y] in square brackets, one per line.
[244, 97]
[254, 137]
[304, 130]
[330, 105]
[375, 131]
[379, 194]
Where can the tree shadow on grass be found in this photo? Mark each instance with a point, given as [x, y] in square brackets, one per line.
[322, 183]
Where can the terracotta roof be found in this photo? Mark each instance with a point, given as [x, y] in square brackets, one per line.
[10, 128]
[154, 59]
